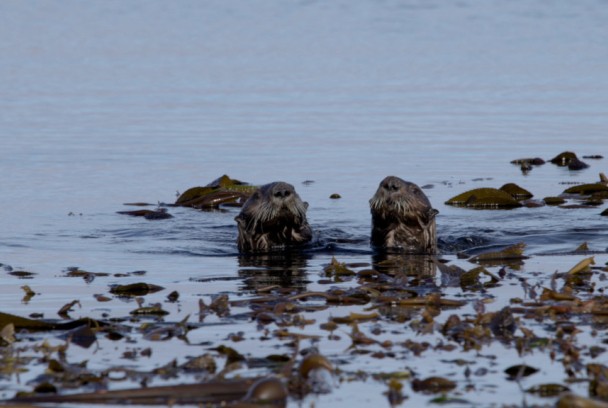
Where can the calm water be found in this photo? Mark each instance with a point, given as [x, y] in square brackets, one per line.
[107, 102]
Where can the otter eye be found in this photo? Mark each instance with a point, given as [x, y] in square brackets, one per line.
[287, 194]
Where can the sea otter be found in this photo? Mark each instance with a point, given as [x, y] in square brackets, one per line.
[403, 218]
[273, 218]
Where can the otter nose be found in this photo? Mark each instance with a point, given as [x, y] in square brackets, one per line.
[391, 186]
[282, 193]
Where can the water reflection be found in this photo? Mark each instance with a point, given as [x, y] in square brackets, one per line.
[286, 270]
[415, 271]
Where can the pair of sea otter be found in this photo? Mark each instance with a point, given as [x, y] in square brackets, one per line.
[402, 219]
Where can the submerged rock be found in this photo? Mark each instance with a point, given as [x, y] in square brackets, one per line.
[569, 159]
[484, 198]
[587, 189]
[516, 191]
[554, 200]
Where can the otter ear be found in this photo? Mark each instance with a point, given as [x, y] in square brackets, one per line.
[306, 204]
[432, 213]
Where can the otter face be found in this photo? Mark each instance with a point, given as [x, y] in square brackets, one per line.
[402, 217]
[273, 217]
[283, 202]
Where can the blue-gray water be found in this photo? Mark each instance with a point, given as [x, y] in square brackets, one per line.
[107, 102]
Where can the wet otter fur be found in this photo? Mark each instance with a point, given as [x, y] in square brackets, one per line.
[273, 218]
[403, 218]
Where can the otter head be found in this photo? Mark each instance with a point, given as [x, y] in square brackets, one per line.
[402, 217]
[273, 217]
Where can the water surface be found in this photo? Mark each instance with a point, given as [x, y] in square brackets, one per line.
[107, 102]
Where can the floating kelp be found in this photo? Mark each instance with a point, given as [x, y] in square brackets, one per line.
[519, 371]
[336, 269]
[7, 335]
[335, 196]
[569, 159]
[269, 391]
[312, 363]
[536, 161]
[76, 272]
[22, 274]
[135, 289]
[82, 336]
[470, 280]
[29, 293]
[158, 214]
[379, 313]
[223, 190]
[548, 294]
[503, 324]
[576, 401]
[65, 309]
[582, 267]
[548, 390]
[153, 310]
[395, 392]
[484, 198]
[507, 255]
[44, 325]
[433, 385]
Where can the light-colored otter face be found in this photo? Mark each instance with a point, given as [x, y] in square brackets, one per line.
[399, 199]
[274, 216]
[402, 217]
[277, 200]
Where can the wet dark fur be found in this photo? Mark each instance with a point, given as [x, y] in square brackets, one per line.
[403, 218]
[274, 217]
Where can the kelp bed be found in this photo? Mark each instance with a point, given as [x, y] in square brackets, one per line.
[411, 330]
[501, 328]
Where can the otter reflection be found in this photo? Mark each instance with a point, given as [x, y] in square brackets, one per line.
[403, 218]
[415, 271]
[273, 218]
[287, 270]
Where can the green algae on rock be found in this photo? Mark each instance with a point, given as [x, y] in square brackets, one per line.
[587, 189]
[554, 200]
[516, 191]
[484, 198]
